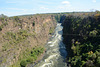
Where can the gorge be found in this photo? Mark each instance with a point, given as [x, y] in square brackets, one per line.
[70, 39]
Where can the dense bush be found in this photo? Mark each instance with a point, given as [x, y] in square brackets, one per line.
[23, 63]
[34, 53]
[82, 39]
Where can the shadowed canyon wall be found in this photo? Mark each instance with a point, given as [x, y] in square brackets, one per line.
[81, 34]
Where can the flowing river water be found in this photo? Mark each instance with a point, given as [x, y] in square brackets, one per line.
[56, 51]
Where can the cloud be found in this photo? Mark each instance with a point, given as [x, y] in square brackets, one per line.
[16, 11]
[64, 5]
[94, 1]
[65, 2]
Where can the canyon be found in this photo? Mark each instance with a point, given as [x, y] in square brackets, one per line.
[70, 39]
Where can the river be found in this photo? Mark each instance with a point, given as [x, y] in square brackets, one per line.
[56, 51]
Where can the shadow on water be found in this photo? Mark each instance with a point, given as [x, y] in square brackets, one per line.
[60, 32]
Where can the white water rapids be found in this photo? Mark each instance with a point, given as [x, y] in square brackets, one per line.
[56, 51]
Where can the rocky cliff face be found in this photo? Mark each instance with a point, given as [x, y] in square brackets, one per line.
[19, 35]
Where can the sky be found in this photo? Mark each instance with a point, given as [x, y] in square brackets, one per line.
[24, 7]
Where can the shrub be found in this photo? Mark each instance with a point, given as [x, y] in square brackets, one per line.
[5, 24]
[98, 61]
[16, 18]
[30, 60]
[23, 63]
[2, 25]
[87, 47]
[2, 19]
[0, 28]
[31, 56]
[51, 30]
[33, 23]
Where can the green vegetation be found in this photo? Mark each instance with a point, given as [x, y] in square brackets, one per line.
[34, 53]
[57, 17]
[28, 57]
[15, 38]
[2, 25]
[23, 63]
[51, 30]
[16, 18]
[18, 38]
[0, 28]
[82, 39]
[2, 19]
[33, 23]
